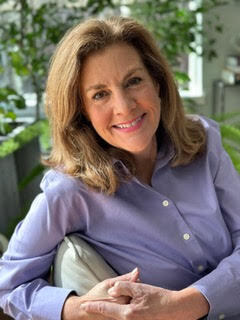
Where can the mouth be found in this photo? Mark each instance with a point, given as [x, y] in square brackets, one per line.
[130, 124]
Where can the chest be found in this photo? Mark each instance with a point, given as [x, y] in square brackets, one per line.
[177, 219]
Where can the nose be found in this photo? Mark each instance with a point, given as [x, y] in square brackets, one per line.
[123, 102]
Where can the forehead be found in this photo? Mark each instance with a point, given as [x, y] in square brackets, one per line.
[113, 61]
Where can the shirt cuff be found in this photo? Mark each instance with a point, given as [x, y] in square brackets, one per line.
[222, 294]
[48, 303]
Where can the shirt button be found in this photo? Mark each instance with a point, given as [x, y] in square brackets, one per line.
[165, 203]
[221, 316]
[186, 236]
[200, 268]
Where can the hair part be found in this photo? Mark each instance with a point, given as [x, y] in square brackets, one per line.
[77, 148]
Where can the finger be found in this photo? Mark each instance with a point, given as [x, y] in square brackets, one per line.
[107, 309]
[122, 288]
[131, 276]
[135, 275]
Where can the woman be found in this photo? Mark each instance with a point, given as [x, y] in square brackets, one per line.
[144, 184]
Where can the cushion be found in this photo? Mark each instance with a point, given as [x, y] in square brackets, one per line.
[78, 266]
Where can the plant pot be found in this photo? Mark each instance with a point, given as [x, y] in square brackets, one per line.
[19, 156]
[9, 195]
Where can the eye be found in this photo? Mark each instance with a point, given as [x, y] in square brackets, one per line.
[133, 81]
[100, 95]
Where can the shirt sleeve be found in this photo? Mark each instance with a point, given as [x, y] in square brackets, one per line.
[25, 292]
[221, 287]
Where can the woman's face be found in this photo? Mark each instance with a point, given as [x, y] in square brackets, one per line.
[121, 99]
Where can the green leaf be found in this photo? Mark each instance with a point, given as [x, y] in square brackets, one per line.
[234, 155]
[230, 132]
[36, 171]
[10, 115]
[18, 63]
[5, 128]
[19, 102]
[226, 116]
[181, 77]
[6, 92]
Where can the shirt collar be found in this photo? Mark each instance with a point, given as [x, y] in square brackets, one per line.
[164, 156]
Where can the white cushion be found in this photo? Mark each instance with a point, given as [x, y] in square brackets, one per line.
[78, 266]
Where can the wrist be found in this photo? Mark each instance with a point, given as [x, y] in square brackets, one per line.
[71, 308]
[194, 303]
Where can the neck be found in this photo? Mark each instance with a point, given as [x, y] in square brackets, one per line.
[145, 163]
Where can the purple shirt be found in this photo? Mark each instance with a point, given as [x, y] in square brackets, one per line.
[184, 230]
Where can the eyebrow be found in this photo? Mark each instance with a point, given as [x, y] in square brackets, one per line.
[102, 86]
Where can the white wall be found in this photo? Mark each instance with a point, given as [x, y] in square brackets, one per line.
[230, 18]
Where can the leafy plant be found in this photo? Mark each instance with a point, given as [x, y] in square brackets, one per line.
[176, 25]
[230, 130]
[9, 99]
[16, 142]
[29, 33]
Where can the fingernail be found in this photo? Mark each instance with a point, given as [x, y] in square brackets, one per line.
[135, 270]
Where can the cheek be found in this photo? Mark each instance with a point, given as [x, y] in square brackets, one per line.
[100, 120]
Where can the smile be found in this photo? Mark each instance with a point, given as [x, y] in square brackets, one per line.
[130, 124]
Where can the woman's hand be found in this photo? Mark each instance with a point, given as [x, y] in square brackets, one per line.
[72, 309]
[151, 303]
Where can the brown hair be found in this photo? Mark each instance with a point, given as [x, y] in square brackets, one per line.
[77, 148]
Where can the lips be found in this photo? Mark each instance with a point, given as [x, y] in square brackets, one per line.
[130, 123]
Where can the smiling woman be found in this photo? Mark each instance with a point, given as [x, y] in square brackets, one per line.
[142, 183]
[136, 78]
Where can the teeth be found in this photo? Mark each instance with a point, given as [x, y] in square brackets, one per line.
[129, 124]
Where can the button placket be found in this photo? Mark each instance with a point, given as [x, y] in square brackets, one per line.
[184, 231]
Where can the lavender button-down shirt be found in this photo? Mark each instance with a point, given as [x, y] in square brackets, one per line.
[184, 230]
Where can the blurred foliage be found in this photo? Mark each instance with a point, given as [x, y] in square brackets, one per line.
[29, 32]
[230, 130]
[45, 137]
[177, 26]
[9, 99]
[16, 142]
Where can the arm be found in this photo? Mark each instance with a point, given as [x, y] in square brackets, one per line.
[24, 289]
[221, 287]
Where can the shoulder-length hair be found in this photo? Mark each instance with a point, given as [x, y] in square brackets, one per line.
[77, 149]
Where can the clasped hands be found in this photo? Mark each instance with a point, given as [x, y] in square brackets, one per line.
[125, 298]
